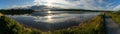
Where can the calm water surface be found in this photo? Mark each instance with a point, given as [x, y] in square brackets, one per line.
[52, 20]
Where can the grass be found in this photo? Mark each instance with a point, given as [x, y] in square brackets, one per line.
[10, 26]
[115, 16]
[94, 26]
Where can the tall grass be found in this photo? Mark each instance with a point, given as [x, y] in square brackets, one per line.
[10, 26]
[94, 26]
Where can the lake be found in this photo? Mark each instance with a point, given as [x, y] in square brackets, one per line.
[53, 20]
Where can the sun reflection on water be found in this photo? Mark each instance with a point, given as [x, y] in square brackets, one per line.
[49, 12]
[49, 18]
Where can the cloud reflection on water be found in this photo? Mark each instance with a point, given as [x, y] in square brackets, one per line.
[55, 18]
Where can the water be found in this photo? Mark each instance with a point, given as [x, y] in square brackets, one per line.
[52, 20]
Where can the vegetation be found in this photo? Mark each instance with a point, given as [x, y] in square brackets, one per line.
[10, 26]
[16, 11]
[94, 26]
[115, 16]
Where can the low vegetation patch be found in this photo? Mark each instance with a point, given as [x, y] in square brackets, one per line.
[115, 16]
[94, 26]
[10, 26]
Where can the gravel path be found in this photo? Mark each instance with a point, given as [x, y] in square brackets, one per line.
[111, 26]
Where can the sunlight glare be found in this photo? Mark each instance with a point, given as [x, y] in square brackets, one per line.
[49, 3]
[49, 17]
[49, 12]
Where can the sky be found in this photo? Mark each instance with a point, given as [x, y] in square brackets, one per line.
[79, 4]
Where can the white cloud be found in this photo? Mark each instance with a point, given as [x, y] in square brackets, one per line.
[117, 8]
[16, 6]
[49, 1]
[100, 1]
[85, 4]
[88, 4]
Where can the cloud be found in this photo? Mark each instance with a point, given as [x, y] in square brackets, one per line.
[39, 2]
[100, 0]
[117, 8]
[80, 4]
[19, 6]
[59, 3]
[85, 4]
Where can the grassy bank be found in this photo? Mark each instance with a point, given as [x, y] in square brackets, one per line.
[10, 26]
[115, 16]
[94, 26]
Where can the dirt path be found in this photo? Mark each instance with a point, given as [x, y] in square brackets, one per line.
[111, 26]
